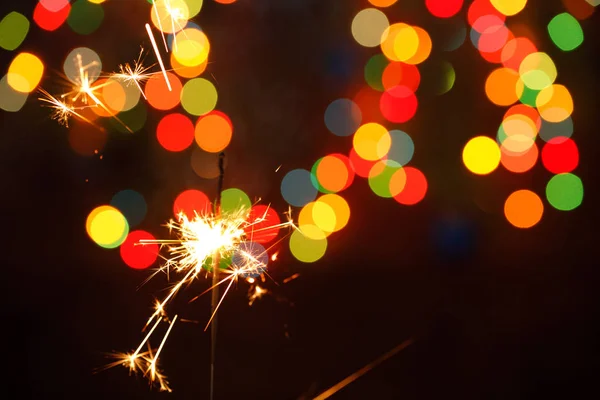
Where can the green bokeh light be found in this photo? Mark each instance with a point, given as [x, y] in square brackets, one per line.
[565, 32]
[13, 30]
[565, 192]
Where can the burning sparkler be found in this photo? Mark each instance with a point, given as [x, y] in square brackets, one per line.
[199, 240]
[136, 74]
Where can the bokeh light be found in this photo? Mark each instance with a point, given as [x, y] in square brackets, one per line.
[206, 165]
[368, 27]
[537, 71]
[264, 222]
[297, 187]
[332, 173]
[191, 202]
[380, 178]
[107, 227]
[213, 132]
[372, 141]
[82, 57]
[131, 204]
[560, 155]
[444, 8]
[523, 209]
[402, 148]
[342, 117]
[10, 99]
[85, 17]
[246, 251]
[519, 162]
[481, 155]
[400, 74]
[565, 32]
[309, 244]
[13, 30]
[233, 200]
[199, 96]
[192, 47]
[413, 183]
[554, 103]
[158, 94]
[25, 72]
[137, 255]
[500, 86]
[565, 191]
[50, 20]
[341, 208]
[509, 7]
[398, 104]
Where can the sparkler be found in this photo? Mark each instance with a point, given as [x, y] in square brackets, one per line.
[136, 74]
[201, 242]
[62, 111]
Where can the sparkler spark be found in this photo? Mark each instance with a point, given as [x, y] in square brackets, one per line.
[190, 254]
[136, 74]
[62, 111]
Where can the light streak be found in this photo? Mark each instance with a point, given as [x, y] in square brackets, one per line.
[339, 386]
[159, 58]
[62, 111]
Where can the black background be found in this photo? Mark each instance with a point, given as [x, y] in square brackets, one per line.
[514, 315]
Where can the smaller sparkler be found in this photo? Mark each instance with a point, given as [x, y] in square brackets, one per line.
[136, 74]
[62, 111]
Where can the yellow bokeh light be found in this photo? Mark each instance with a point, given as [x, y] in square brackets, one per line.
[388, 41]
[555, 103]
[406, 43]
[372, 141]
[368, 27]
[107, 227]
[25, 72]
[509, 7]
[481, 155]
[537, 71]
[308, 244]
[424, 47]
[517, 133]
[169, 16]
[340, 207]
[192, 47]
[322, 216]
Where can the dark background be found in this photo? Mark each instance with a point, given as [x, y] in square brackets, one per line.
[495, 312]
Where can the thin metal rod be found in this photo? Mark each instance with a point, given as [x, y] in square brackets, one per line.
[339, 386]
[214, 303]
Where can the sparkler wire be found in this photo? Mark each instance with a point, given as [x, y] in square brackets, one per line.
[214, 303]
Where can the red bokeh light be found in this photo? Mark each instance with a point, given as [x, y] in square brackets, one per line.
[266, 230]
[137, 255]
[175, 132]
[444, 8]
[50, 20]
[560, 155]
[398, 104]
[415, 189]
[191, 202]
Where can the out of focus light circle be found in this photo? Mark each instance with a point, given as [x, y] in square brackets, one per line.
[565, 192]
[191, 202]
[132, 204]
[107, 227]
[139, 255]
[213, 132]
[509, 7]
[25, 72]
[206, 165]
[192, 47]
[537, 71]
[555, 103]
[443, 8]
[523, 209]
[175, 132]
[340, 207]
[235, 200]
[560, 155]
[50, 20]
[368, 27]
[415, 187]
[297, 187]
[199, 96]
[481, 155]
[85, 17]
[82, 57]
[308, 244]
[382, 3]
[398, 104]
[169, 16]
[263, 224]
[372, 141]
[500, 86]
[342, 117]
[13, 30]
[158, 94]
